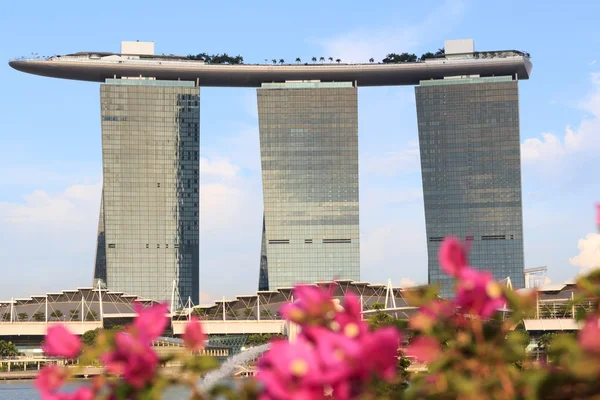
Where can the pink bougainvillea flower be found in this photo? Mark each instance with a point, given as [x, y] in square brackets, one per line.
[598, 215]
[59, 342]
[453, 256]
[339, 355]
[151, 321]
[478, 294]
[311, 302]
[349, 320]
[82, 393]
[193, 337]
[380, 352]
[589, 335]
[133, 358]
[431, 313]
[290, 371]
[424, 348]
[50, 379]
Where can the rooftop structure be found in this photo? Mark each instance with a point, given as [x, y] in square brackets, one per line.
[99, 66]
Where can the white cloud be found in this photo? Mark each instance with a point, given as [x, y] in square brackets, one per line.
[406, 283]
[548, 148]
[592, 62]
[51, 237]
[76, 205]
[552, 148]
[396, 162]
[219, 206]
[589, 252]
[219, 168]
[361, 44]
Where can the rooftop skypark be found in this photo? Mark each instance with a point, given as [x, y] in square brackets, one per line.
[138, 60]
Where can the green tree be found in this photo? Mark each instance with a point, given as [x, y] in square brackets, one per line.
[266, 314]
[22, 316]
[91, 316]
[281, 61]
[8, 349]
[322, 59]
[330, 59]
[427, 55]
[441, 51]
[274, 61]
[248, 312]
[6, 316]
[298, 60]
[73, 314]
[200, 312]
[337, 60]
[371, 60]
[89, 337]
[56, 314]
[314, 59]
[395, 390]
[39, 316]
[262, 338]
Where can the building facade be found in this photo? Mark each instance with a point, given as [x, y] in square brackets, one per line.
[309, 157]
[148, 228]
[470, 163]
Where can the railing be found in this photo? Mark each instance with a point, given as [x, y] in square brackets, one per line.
[84, 58]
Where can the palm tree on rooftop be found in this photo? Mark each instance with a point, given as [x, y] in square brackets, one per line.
[371, 60]
[338, 60]
[298, 60]
[281, 61]
[322, 59]
[314, 59]
[274, 61]
[330, 59]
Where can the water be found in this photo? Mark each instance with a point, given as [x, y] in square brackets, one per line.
[229, 366]
[24, 390]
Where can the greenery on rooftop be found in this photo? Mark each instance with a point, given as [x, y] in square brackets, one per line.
[216, 58]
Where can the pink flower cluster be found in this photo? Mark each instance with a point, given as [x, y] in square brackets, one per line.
[335, 353]
[132, 356]
[476, 293]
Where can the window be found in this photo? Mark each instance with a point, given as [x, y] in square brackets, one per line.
[279, 241]
[112, 246]
[329, 241]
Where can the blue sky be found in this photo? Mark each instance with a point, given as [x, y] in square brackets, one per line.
[50, 156]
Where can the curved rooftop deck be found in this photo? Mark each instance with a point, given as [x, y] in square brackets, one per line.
[97, 67]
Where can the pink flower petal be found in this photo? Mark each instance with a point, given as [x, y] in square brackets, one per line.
[151, 321]
[133, 358]
[59, 342]
[424, 349]
[193, 337]
[452, 256]
[589, 335]
[51, 378]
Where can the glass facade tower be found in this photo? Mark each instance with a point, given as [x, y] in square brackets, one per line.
[148, 229]
[309, 156]
[471, 170]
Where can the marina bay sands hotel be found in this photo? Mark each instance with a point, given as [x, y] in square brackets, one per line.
[148, 233]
